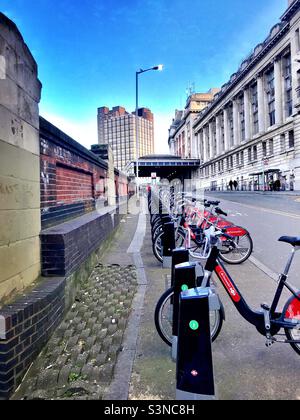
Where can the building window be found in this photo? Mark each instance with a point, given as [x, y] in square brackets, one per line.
[241, 106]
[291, 139]
[254, 107]
[231, 126]
[214, 130]
[270, 91]
[242, 158]
[264, 148]
[221, 166]
[282, 143]
[207, 142]
[201, 146]
[249, 154]
[287, 75]
[222, 131]
[229, 162]
[271, 147]
[254, 153]
[297, 37]
[238, 159]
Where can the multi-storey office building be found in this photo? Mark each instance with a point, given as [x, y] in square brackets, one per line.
[181, 142]
[250, 132]
[118, 129]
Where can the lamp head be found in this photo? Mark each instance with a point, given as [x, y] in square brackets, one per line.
[159, 67]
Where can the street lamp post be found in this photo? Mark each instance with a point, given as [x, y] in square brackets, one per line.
[137, 128]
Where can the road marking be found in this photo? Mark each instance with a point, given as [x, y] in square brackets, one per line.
[262, 267]
[265, 210]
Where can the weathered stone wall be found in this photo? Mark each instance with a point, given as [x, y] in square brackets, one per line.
[19, 163]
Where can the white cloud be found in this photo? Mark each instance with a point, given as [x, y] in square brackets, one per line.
[84, 132]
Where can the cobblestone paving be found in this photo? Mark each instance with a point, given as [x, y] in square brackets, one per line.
[79, 360]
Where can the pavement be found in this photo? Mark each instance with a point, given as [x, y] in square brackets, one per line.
[107, 347]
[79, 361]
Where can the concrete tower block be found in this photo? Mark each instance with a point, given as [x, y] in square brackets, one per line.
[20, 92]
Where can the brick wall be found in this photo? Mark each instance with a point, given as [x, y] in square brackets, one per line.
[25, 327]
[72, 178]
[73, 185]
[66, 247]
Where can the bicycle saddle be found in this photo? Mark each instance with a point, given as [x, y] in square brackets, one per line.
[294, 241]
[214, 203]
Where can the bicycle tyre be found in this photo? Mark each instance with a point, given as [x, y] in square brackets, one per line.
[225, 255]
[291, 337]
[156, 245]
[164, 327]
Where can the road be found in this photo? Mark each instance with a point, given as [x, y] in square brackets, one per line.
[267, 218]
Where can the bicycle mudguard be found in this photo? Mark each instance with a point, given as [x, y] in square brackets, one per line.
[291, 310]
[236, 231]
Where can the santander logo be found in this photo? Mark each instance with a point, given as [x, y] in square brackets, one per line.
[228, 285]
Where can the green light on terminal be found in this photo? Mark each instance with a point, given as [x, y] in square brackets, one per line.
[194, 325]
[184, 288]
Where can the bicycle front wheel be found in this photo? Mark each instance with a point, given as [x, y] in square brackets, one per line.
[164, 318]
[292, 314]
[157, 244]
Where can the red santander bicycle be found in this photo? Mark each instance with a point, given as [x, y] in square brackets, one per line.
[237, 245]
[268, 321]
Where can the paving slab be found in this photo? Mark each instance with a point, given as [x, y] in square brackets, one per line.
[80, 359]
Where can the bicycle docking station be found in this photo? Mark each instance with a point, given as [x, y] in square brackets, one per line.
[179, 256]
[184, 279]
[194, 370]
[168, 244]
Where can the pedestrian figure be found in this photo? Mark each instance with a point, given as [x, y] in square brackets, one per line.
[236, 184]
[278, 185]
[271, 185]
[231, 185]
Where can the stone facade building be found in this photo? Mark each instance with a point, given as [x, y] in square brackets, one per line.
[181, 141]
[118, 129]
[250, 132]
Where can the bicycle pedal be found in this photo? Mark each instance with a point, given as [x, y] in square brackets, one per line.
[270, 341]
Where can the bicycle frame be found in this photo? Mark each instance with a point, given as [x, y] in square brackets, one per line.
[256, 318]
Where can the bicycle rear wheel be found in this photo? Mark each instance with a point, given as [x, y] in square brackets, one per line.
[294, 335]
[164, 318]
[237, 250]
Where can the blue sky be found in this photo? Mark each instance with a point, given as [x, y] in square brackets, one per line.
[89, 50]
